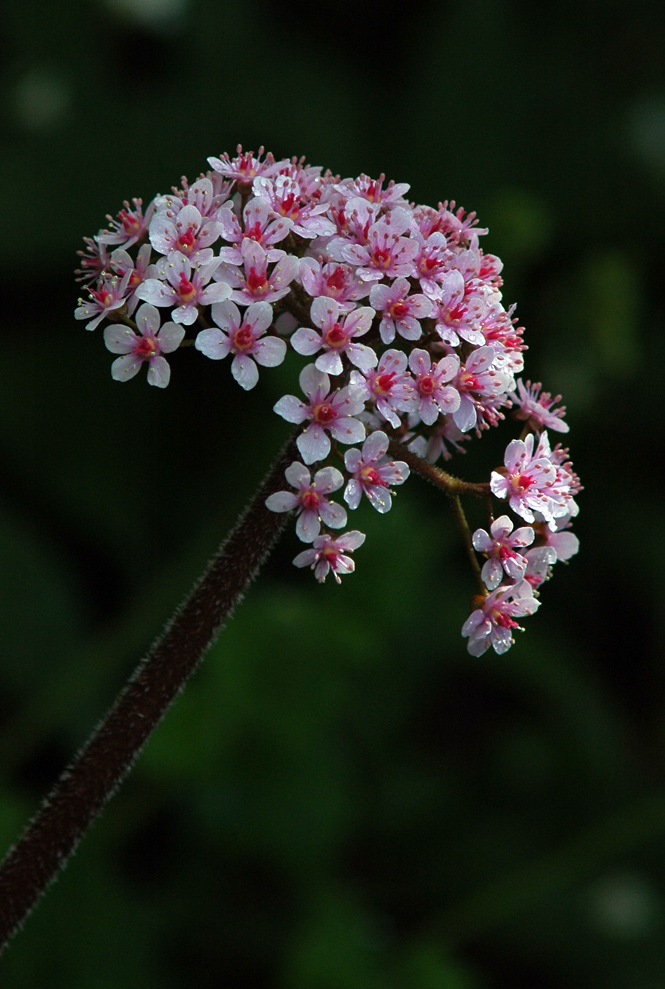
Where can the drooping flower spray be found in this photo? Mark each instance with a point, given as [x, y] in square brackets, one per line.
[411, 353]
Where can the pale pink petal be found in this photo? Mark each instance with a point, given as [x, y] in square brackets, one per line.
[159, 372]
[245, 371]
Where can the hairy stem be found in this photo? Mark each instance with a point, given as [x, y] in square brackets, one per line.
[439, 478]
[98, 769]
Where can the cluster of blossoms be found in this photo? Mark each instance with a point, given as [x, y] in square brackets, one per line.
[411, 351]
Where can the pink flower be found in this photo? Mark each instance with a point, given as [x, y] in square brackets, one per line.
[284, 195]
[326, 412]
[182, 288]
[431, 261]
[371, 475]
[260, 226]
[332, 280]
[493, 622]
[245, 166]
[480, 385]
[531, 482]
[122, 262]
[310, 500]
[372, 190]
[389, 387]
[536, 408]
[500, 550]
[111, 295]
[539, 563]
[331, 554]
[129, 227]
[401, 311]
[338, 331]
[387, 253]
[454, 317]
[255, 284]
[433, 397]
[188, 233]
[243, 339]
[148, 346]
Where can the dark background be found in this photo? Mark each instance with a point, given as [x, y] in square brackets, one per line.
[343, 798]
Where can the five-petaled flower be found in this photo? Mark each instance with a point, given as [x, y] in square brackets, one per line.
[244, 338]
[493, 621]
[327, 412]
[372, 474]
[310, 500]
[331, 554]
[147, 345]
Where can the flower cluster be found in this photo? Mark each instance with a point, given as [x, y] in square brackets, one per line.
[411, 351]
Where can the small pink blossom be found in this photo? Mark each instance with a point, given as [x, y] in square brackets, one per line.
[327, 412]
[481, 386]
[255, 284]
[401, 311]
[147, 345]
[244, 338]
[455, 318]
[310, 500]
[372, 190]
[431, 260]
[536, 408]
[332, 280]
[129, 227]
[111, 295]
[387, 254]
[540, 561]
[260, 226]
[245, 167]
[499, 547]
[331, 554]
[389, 386]
[178, 286]
[371, 474]
[434, 397]
[188, 233]
[493, 622]
[284, 195]
[337, 337]
[529, 480]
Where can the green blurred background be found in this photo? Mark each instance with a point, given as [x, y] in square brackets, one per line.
[343, 798]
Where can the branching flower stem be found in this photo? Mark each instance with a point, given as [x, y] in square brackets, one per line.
[453, 487]
[98, 769]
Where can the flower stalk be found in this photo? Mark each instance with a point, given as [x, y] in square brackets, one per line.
[96, 772]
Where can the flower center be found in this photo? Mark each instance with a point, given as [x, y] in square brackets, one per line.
[324, 414]
[145, 348]
[186, 241]
[467, 382]
[243, 338]
[257, 284]
[426, 385]
[384, 382]
[521, 482]
[335, 282]
[399, 310]
[186, 290]
[311, 501]
[371, 476]
[382, 257]
[336, 337]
